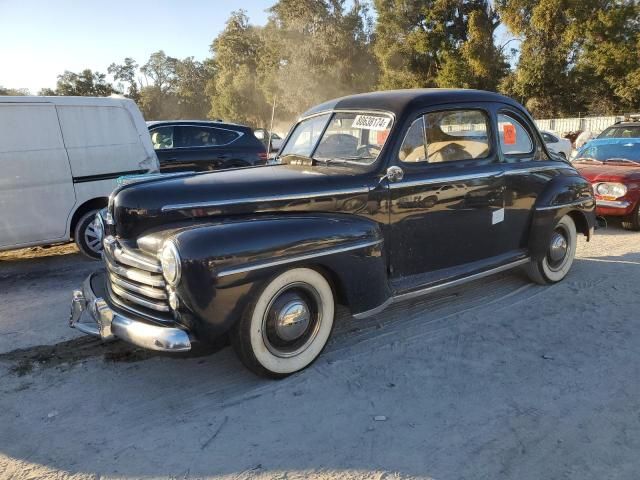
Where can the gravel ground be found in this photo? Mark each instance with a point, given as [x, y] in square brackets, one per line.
[498, 379]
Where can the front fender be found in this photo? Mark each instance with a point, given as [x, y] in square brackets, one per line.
[225, 265]
[567, 194]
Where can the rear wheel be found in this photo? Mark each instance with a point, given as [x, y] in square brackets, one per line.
[88, 237]
[561, 251]
[288, 326]
[632, 222]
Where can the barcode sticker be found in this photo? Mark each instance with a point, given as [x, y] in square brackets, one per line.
[371, 122]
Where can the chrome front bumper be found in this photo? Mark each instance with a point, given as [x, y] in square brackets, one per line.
[612, 203]
[92, 315]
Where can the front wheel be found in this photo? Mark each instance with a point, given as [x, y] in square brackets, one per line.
[632, 222]
[288, 326]
[560, 254]
[88, 237]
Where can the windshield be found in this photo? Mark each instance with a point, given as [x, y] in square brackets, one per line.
[621, 131]
[348, 136]
[611, 152]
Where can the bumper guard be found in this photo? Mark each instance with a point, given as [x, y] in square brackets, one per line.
[92, 315]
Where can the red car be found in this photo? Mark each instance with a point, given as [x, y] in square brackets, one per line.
[612, 165]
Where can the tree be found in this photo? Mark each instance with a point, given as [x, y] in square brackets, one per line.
[576, 55]
[190, 87]
[85, 84]
[19, 92]
[315, 50]
[234, 90]
[161, 69]
[445, 43]
[126, 72]
[609, 56]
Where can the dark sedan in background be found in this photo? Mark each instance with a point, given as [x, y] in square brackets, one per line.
[183, 145]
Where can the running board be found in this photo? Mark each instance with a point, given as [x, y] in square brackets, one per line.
[441, 286]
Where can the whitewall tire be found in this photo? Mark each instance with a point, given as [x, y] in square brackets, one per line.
[289, 324]
[561, 251]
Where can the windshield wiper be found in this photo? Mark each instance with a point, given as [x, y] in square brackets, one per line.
[588, 160]
[622, 160]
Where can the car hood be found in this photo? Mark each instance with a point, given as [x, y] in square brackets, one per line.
[609, 173]
[160, 202]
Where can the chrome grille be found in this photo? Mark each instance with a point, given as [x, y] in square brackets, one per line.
[135, 279]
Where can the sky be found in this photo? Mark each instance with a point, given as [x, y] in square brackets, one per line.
[40, 39]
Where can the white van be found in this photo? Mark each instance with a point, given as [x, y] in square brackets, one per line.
[59, 161]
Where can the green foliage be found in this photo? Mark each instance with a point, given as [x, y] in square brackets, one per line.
[126, 73]
[234, 89]
[576, 55]
[18, 92]
[83, 84]
[438, 43]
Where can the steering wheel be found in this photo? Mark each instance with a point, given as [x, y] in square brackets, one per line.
[366, 151]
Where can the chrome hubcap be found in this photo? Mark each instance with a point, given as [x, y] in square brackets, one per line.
[558, 248]
[93, 237]
[293, 320]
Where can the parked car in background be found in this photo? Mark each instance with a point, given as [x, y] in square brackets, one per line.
[59, 160]
[183, 145]
[557, 144]
[380, 197]
[612, 165]
[263, 135]
[622, 130]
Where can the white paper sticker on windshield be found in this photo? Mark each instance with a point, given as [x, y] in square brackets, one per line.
[371, 122]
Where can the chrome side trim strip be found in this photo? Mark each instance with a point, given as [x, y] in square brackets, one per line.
[612, 203]
[244, 201]
[298, 258]
[442, 286]
[520, 171]
[570, 204]
[453, 178]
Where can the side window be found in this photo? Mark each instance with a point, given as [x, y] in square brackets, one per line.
[514, 138]
[203, 137]
[457, 135]
[412, 149]
[162, 137]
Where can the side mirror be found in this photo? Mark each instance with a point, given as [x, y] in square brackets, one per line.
[394, 174]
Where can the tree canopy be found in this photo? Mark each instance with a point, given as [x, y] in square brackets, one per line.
[570, 56]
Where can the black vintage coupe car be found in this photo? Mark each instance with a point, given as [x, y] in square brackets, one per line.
[380, 198]
[196, 146]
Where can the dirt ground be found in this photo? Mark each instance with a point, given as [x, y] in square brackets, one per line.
[498, 379]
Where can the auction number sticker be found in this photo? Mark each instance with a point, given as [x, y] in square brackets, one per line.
[371, 122]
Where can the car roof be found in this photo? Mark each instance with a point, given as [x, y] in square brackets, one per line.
[114, 100]
[613, 141]
[199, 123]
[625, 124]
[398, 101]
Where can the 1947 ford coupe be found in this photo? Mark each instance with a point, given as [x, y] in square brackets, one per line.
[379, 198]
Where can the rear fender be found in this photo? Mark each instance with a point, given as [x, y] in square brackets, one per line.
[225, 265]
[564, 195]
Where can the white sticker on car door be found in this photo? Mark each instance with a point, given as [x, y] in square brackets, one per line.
[497, 216]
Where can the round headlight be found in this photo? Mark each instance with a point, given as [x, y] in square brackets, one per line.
[170, 262]
[615, 190]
